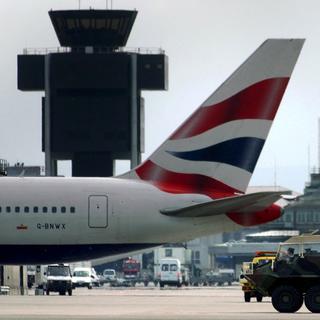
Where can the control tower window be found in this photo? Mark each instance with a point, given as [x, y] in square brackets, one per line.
[85, 23]
[71, 23]
[100, 23]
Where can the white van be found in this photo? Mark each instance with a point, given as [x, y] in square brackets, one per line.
[170, 272]
[82, 277]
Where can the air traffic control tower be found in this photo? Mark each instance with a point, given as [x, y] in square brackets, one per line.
[92, 111]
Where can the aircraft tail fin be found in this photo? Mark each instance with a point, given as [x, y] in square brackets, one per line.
[215, 151]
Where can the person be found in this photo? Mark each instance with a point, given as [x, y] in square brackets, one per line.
[287, 255]
[290, 254]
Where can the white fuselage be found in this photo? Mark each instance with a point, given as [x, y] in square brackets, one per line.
[67, 219]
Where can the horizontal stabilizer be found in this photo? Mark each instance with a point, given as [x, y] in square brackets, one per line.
[251, 202]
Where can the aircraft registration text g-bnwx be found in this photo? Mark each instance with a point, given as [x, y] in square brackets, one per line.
[193, 185]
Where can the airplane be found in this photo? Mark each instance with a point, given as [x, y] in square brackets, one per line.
[193, 185]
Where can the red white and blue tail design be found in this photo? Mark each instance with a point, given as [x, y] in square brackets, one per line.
[216, 150]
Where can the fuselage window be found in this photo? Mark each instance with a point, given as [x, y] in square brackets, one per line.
[26, 209]
[8, 209]
[17, 209]
[63, 209]
[44, 209]
[35, 209]
[54, 209]
[72, 210]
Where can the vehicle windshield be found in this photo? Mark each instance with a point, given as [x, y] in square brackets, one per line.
[287, 251]
[130, 265]
[58, 271]
[81, 274]
[311, 249]
[261, 262]
[108, 272]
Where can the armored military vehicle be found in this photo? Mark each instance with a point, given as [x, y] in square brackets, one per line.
[293, 277]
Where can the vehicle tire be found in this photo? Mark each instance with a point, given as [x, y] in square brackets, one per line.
[70, 292]
[161, 284]
[259, 297]
[89, 286]
[47, 292]
[247, 296]
[287, 299]
[312, 299]
[179, 284]
[146, 283]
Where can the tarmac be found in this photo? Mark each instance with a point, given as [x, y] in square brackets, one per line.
[144, 303]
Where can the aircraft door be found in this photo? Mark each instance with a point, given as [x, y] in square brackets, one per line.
[98, 211]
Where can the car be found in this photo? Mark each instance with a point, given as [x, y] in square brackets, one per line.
[58, 279]
[82, 277]
[110, 276]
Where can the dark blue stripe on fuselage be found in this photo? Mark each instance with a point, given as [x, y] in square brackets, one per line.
[47, 254]
[240, 152]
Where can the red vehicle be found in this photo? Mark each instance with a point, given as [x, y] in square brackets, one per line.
[131, 269]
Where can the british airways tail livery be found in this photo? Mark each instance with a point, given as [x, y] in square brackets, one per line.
[193, 185]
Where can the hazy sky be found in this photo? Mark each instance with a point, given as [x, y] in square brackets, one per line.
[205, 41]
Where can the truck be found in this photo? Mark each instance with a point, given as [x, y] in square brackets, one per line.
[248, 288]
[219, 277]
[131, 271]
[293, 277]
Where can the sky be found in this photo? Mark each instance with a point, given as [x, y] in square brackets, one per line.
[205, 40]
